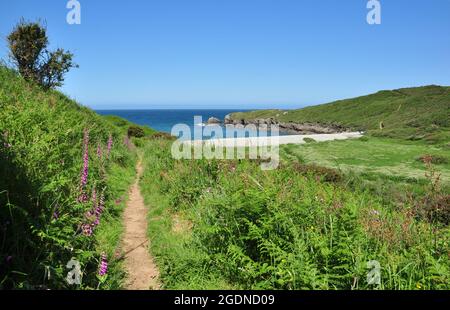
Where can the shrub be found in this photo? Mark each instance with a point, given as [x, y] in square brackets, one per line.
[309, 140]
[364, 139]
[434, 159]
[326, 174]
[163, 135]
[28, 49]
[435, 209]
[136, 131]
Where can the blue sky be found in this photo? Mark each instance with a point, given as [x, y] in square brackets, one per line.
[241, 53]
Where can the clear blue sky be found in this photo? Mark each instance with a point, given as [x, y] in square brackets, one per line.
[241, 53]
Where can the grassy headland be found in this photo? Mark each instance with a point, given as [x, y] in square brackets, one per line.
[420, 113]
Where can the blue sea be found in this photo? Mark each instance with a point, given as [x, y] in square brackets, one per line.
[164, 120]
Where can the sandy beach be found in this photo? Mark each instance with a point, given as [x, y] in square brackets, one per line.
[276, 140]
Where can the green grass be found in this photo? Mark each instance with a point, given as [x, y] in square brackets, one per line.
[291, 228]
[421, 113]
[228, 224]
[109, 233]
[182, 266]
[383, 156]
[124, 124]
[41, 158]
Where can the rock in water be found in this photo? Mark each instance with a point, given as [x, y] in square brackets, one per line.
[213, 120]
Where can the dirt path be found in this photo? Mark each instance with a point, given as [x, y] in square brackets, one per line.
[142, 272]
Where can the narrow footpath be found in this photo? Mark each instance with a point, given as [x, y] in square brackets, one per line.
[142, 272]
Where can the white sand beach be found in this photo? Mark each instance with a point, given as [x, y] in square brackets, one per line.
[276, 140]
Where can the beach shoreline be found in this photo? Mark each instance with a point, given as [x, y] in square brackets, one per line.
[275, 140]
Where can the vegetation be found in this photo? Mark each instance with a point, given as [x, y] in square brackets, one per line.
[421, 113]
[124, 125]
[309, 140]
[136, 131]
[64, 176]
[314, 223]
[381, 156]
[28, 49]
[222, 224]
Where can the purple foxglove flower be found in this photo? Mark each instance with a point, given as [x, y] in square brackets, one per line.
[85, 171]
[110, 144]
[99, 151]
[103, 265]
[94, 199]
[86, 229]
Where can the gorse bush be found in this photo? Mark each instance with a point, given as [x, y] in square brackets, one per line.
[292, 228]
[56, 160]
[136, 131]
[28, 49]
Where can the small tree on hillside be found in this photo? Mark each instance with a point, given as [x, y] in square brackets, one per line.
[28, 50]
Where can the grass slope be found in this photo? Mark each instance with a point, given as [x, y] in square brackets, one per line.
[408, 113]
[41, 159]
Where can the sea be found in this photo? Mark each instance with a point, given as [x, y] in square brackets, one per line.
[165, 120]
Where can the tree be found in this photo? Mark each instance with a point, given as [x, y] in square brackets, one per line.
[28, 50]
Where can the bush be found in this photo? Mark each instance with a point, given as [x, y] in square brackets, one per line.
[136, 131]
[163, 136]
[364, 139]
[326, 174]
[434, 208]
[28, 49]
[309, 140]
[434, 159]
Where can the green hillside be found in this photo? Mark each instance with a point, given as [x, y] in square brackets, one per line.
[43, 139]
[408, 113]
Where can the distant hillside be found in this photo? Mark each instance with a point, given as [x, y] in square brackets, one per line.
[408, 113]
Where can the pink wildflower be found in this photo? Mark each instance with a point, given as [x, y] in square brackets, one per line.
[99, 151]
[110, 144]
[103, 265]
[85, 171]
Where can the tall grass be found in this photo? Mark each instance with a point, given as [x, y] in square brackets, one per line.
[41, 162]
[291, 228]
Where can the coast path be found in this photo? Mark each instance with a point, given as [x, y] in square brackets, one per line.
[142, 272]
